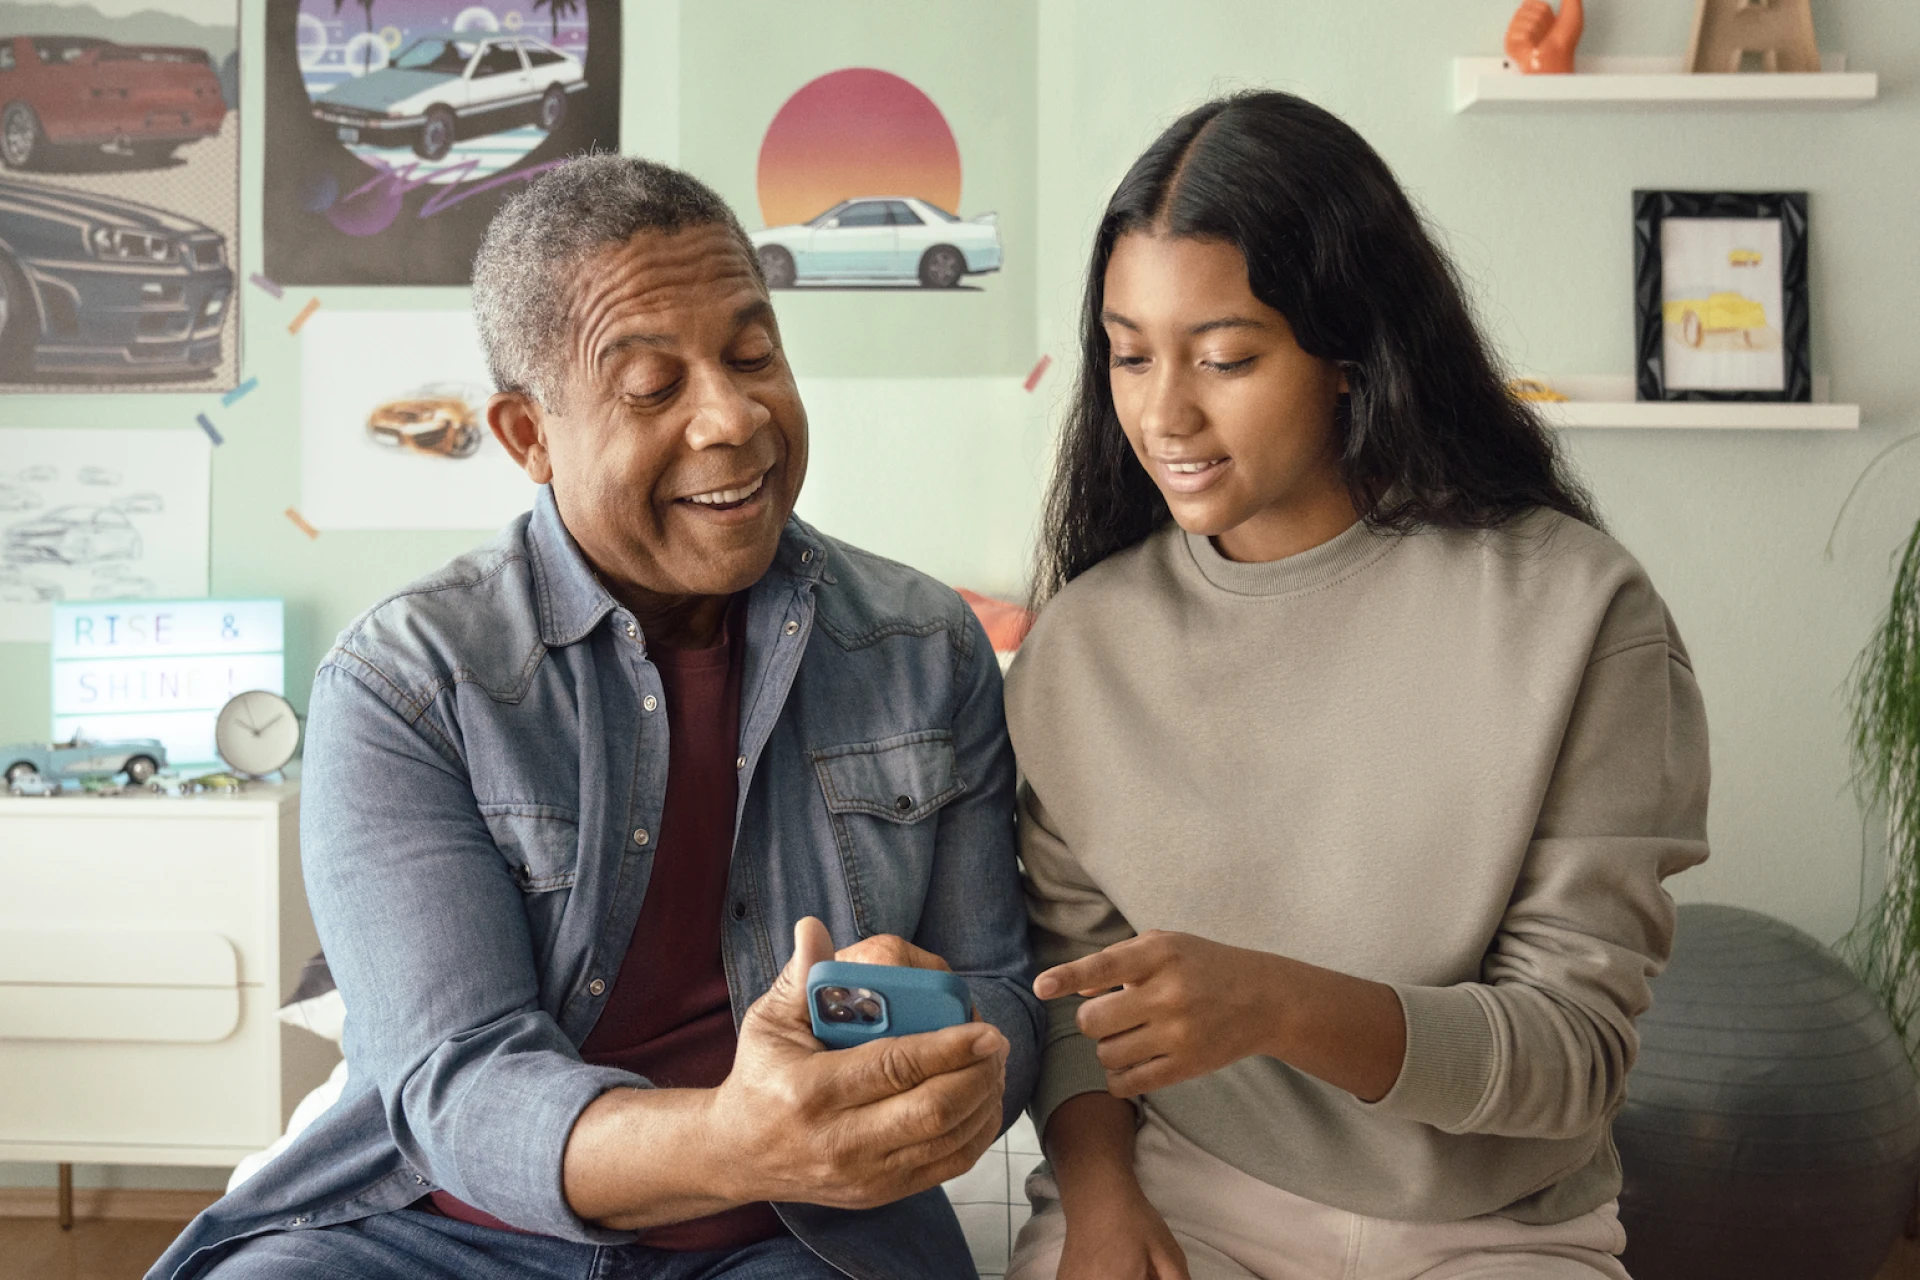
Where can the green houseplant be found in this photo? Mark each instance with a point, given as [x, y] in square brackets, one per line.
[1884, 944]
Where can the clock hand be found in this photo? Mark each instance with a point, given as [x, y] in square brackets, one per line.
[268, 725]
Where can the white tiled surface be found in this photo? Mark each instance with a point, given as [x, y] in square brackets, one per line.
[989, 1200]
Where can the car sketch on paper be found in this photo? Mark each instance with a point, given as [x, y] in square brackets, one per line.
[439, 420]
[72, 535]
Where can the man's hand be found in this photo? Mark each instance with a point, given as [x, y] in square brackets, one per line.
[852, 1128]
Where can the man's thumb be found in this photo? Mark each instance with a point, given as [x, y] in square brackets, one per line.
[811, 944]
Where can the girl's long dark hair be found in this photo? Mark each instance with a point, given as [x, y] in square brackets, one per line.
[1429, 433]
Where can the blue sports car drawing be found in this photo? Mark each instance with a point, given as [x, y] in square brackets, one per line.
[880, 238]
[105, 288]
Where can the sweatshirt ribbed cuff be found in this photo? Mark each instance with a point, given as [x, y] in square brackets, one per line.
[1069, 1065]
[1449, 1060]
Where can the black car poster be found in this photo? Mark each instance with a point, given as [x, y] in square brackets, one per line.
[396, 128]
[120, 122]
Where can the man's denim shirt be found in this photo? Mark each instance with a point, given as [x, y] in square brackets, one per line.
[486, 757]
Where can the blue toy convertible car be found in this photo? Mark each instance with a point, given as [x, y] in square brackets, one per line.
[138, 758]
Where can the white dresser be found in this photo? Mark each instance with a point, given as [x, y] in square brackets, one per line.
[146, 943]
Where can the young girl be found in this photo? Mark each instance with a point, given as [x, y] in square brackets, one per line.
[1355, 755]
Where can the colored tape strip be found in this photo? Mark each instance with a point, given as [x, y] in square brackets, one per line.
[239, 391]
[268, 285]
[206, 425]
[313, 305]
[300, 523]
[1039, 372]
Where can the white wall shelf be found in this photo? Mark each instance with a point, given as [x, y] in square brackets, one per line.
[1607, 401]
[1487, 84]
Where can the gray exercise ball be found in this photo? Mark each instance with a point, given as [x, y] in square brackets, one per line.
[1772, 1126]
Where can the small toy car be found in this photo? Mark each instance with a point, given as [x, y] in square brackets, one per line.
[1532, 389]
[79, 758]
[32, 784]
[436, 420]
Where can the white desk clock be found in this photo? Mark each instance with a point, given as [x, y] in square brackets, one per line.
[257, 733]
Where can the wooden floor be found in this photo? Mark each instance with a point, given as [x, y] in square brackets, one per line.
[36, 1249]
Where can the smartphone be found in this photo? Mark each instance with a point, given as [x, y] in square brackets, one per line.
[854, 1003]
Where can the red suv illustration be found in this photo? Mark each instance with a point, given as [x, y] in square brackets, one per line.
[78, 91]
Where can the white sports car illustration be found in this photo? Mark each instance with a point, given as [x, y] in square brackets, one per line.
[880, 238]
[442, 88]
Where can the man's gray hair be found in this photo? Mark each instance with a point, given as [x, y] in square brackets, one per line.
[524, 274]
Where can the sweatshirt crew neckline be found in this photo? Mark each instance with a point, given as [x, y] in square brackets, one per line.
[1339, 557]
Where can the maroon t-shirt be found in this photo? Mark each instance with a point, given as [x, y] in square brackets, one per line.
[668, 1017]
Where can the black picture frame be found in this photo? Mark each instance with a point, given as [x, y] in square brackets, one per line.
[1650, 210]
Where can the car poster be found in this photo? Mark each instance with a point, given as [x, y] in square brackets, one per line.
[392, 432]
[121, 119]
[886, 181]
[396, 128]
[98, 515]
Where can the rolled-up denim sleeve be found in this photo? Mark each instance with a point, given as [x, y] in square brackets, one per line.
[425, 931]
[975, 916]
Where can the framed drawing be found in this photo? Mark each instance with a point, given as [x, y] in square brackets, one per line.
[1720, 295]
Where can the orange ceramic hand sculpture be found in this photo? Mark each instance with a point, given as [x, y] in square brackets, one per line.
[1539, 41]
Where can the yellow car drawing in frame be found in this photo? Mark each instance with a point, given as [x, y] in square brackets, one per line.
[1715, 313]
[1743, 258]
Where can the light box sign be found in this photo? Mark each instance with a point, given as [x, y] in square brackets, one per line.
[162, 668]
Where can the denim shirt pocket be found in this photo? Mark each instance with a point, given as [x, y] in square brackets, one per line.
[541, 844]
[880, 797]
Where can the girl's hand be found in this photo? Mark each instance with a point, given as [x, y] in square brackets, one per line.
[1186, 1006]
[1121, 1239]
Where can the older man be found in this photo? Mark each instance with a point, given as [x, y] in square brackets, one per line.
[578, 804]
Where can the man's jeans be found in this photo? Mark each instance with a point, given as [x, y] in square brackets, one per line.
[410, 1244]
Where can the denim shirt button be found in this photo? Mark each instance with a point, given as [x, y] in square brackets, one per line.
[641, 836]
[792, 627]
[596, 988]
[903, 803]
[740, 762]
[805, 556]
[633, 632]
[650, 702]
[417, 1178]
[739, 910]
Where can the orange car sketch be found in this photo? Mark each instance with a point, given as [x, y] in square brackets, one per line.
[434, 420]
[1743, 258]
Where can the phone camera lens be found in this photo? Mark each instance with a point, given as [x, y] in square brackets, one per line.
[838, 1013]
[833, 995]
[869, 1010]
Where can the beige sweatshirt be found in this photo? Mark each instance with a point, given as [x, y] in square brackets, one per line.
[1457, 763]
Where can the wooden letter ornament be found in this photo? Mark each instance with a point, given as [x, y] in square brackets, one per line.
[1753, 35]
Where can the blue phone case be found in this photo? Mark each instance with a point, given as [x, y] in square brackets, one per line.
[876, 1000]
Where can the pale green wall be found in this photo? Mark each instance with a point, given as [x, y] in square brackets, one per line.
[1730, 524]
